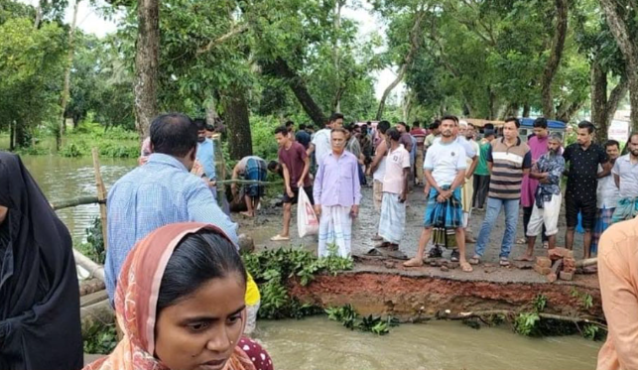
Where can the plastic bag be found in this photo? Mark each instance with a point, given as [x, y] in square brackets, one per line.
[307, 222]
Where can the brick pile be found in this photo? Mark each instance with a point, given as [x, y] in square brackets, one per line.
[559, 263]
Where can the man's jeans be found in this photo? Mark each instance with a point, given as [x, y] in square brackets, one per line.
[494, 206]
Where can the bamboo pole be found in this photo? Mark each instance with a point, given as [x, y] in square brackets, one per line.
[75, 202]
[93, 268]
[101, 193]
[587, 262]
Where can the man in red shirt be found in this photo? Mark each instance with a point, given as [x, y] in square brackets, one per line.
[419, 134]
[295, 163]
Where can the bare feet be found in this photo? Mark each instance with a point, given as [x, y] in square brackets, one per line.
[414, 262]
[247, 214]
[466, 267]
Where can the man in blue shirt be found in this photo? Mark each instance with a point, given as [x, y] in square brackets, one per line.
[161, 192]
[206, 155]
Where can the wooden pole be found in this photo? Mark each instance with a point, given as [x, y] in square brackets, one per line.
[75, 202]
[101, 193]
[94, 269]
[219, 169]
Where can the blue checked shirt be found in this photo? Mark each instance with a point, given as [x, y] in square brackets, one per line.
[158, 193]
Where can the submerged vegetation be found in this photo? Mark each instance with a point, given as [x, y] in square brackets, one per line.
[350, 319]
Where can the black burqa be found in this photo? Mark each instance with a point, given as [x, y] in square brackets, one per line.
[39, 295]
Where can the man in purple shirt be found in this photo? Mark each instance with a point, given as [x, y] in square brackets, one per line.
[337, 193]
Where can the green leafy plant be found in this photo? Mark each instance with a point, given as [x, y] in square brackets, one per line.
[349, 318]
[540, 302]
[591, 332]
[94, 246]
[271, 270]
[586, 299]
[100, 339]
[525, 323]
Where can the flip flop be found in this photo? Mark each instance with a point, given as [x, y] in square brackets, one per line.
[504, 262]
[475, 260]
[521, 241]
[279, 238]
[466, 267]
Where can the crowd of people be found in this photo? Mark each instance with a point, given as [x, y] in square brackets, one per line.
[182, 296]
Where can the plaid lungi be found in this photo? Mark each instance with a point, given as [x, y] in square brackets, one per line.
[603, 221]
[448, 214]
[392, 221]
[255, 170]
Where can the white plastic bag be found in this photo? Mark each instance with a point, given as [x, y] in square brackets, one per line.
[307, 222]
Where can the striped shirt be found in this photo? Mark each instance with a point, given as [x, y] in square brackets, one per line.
[508, 163]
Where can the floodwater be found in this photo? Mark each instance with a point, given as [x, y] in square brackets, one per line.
[317, 343]
[70, 178]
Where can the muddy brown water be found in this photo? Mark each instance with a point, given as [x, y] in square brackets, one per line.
[316, 343]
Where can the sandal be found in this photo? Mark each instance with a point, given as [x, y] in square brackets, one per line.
[521, 241]
[466, 267]
[475, 260]
[545, 245]
[504, 262]
[435, 252]
[455, 256]
[279, 238]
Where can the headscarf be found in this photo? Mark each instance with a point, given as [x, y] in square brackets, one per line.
[39, 294]
[136, 302]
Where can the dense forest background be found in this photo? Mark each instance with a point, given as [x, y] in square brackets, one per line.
[255, 63]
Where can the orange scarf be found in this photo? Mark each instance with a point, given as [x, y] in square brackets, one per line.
[136, 302]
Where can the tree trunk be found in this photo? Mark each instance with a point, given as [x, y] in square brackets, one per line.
[414, 47]
[67, 76]
[38, 15]
[388, 90]
[558, 44]
[603, 108]
[280, 68]
[12, 143]
[238, 123]
[21, 137]
[146, 64]
[628, 45]
[211, 112]
[336, 57]
[526, 109]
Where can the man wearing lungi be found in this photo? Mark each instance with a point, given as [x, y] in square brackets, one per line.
[606, 197]
[395, 192]
[337, 192]
[626, 177]
[445, 164]
[250, 168]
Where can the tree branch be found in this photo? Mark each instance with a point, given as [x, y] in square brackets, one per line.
[558, 44]
[221, 39]
[617, 94]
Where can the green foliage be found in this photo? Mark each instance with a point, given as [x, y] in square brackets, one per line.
[586, 299]
[94, 246]
[272, 268]
[525, 323]
[100, 339]
[540, 302]
[350, 319]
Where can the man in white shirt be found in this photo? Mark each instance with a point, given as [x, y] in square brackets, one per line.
[320, 144]
[625, 173]
[445, 165]
[606, 196]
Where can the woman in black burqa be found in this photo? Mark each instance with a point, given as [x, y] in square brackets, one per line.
[39, 295]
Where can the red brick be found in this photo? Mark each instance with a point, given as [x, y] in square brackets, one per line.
[566, 275]
[551, 277]
[543, 262]
[542, 270]
[558, 253]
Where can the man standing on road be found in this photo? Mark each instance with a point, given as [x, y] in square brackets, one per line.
[295, 165]
[377, 167]
[419, 134]
[509, 159]
[337, 192]
[482, 172]
[161, 192]
[626, 177]
[606, 196]
[538, 146]
[445, 165]
[548, 170]
[406, 139]
[320, 144]
[395, 193]
[583, 158]
[434, 133]
[206, 155]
